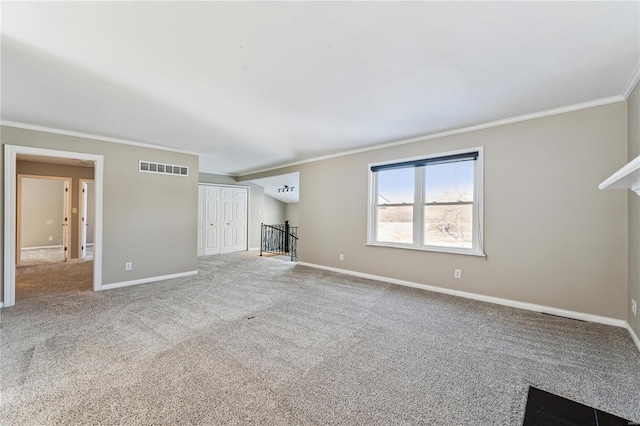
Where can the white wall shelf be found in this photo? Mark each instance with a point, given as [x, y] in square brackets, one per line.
[627, 177]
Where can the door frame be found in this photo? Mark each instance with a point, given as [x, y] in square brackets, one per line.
[248, 234]
[81, 215]
[10, 158]
[66, 211]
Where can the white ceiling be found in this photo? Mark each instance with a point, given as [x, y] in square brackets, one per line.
[272, 183]
[252, 85]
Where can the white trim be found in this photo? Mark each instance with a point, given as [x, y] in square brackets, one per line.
[435, 249]
[10, 158]
[82, 214]
[37, 128]
[631, 84]
[497, 123]
[205, 172]
[230, 185]
[40, 247]
[148, 280]
[474, 296]
[633, 335]
[253, 248]
[627, 177]
[1, 305]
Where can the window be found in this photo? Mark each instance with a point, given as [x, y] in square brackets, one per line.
[428, 203]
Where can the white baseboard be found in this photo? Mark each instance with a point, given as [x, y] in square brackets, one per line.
[254, 248]
[41, 247]
[147, 280]
[634, 336]
[497, 300]
[1, 305]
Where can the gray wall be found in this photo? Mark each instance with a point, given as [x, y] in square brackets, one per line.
[149, 219]
[552, 238]
[42, 212]
[273, 211]
[256, 203]
[633, 122]
[291, 214]
[75, 173]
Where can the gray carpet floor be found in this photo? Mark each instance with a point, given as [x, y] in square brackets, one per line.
[253, 340]
[42, 256]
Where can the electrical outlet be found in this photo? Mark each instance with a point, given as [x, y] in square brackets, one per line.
[457, 273]
[128, 266]
[634, 307]
[341, 257]
[50, 237]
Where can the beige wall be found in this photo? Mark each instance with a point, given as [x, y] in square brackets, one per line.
[42, 212]
[217, 179]
[148, 219]
[291, 214]
[75, 173]
[552, 238]
[633, 109]
[273, 211]
[256, 203]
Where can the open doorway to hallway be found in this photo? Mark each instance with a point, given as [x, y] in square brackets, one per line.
[52, 225]
[45, 279]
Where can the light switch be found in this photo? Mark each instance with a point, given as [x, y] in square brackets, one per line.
[75, 210]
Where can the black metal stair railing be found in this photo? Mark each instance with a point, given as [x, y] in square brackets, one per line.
[279, 239]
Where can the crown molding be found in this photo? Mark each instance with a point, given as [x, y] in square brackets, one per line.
[488, 125]
[53, 130]
[631, 84]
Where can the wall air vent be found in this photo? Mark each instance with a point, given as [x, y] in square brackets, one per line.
[163, 169]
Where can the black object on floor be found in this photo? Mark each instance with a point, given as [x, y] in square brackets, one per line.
[547, 409]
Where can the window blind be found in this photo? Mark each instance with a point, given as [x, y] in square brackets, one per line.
[467, 156]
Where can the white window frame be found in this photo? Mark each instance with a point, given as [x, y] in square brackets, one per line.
[477, 248]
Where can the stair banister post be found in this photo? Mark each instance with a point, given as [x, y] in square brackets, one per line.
[286, 236]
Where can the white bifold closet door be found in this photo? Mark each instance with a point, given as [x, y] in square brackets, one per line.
[222, 219]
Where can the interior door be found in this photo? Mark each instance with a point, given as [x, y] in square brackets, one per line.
[240, 209]
[227, 220]
[234, 219]
[83, 220]
[212, 209]
[202, 219]
[65, 224]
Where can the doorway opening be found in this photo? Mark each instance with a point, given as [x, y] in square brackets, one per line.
[43, 209]
[279, 230]
[57, 273]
